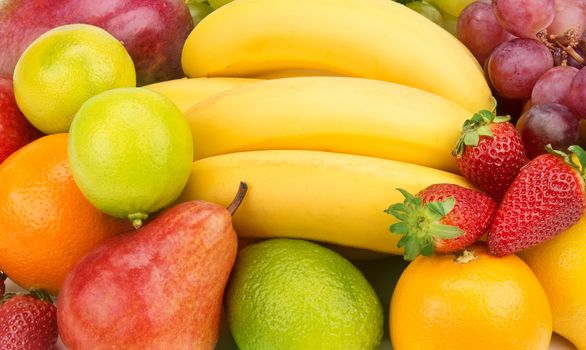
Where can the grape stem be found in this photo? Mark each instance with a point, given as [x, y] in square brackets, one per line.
[561, 51]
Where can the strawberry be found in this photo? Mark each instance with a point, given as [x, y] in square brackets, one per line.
[546, 198]
[443, 218]
[28, 322]
[490, 153]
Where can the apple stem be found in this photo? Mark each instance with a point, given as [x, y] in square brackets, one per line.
[242, 188]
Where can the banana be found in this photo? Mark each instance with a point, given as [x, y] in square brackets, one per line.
[187, 92]
[322, 196]
[376, 39]
[339, 114]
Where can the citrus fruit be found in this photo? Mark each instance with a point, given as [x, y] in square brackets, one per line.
[560, 266]
[46, 224]
[130, 151]
[292, 294]
[64, 67]
[470, 301]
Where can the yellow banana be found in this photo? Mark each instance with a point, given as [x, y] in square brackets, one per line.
[377, 39]
[187, 92]
[322, 196]
[338, 114]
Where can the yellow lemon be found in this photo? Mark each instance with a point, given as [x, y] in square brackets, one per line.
[63, 68]
[560, 266]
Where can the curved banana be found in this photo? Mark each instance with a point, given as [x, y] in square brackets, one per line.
[322, 196]
[346, 115]
[376, 39]
[187, 92]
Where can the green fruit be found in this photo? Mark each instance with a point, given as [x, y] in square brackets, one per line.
[130, 152]
[293, 294]
[63, 68]
[218, 3]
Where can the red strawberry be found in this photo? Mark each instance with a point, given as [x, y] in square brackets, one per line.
[490, 153]
[28, 322]
[546, 198]
[15, 129]
[442, 218]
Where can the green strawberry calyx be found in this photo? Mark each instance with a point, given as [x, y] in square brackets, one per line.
[420, 224]
[574, 150]
[35, 293]
[478, 125]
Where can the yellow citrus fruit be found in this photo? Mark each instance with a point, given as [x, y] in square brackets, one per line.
[46, 224]
[470, 301]
[560, 266]
[64, 67]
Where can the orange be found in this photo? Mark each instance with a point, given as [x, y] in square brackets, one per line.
[46, 224]
[470, 301]
[560, 266]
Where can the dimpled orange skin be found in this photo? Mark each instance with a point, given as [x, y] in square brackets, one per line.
[46, 224]
[488, 303]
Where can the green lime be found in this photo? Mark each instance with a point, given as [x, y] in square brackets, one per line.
[64, 67]
[130, 151]
[292, 294]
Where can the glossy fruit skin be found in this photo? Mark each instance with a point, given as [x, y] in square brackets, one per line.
[560, 266]
[28, 323]
[15, 130]
[65, 67]
[494, 163]
[159, 287]
[472, 213]
[546, 198]
[153, 31]
[130, 151]
[46, 224]
[485, 304]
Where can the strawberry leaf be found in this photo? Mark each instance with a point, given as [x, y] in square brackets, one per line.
[478, 125]
[579, 153]
[471, 139]
[420, 224]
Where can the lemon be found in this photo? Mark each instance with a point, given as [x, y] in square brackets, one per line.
[64, 67]
[293, 294]
[560, 266]
[130, 151]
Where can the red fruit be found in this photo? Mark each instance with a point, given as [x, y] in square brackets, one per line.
[28, 322]
[546, 198]
[15, 129]
[443, 218]
[490, 153]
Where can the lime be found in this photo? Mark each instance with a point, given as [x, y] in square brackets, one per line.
[293, 294]
[130, 151]
[64, 67]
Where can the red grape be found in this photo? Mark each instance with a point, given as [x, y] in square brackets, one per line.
[524, 18]
[554, 85]
[577, 98]
[479, 30]
[515, 66]
[568, 14]
[549, 123]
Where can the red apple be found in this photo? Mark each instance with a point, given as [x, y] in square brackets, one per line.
[153, 31]
[15, 129]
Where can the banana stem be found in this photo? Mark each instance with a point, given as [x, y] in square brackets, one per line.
[242, 189]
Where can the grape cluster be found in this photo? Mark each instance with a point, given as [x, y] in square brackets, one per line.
[532, 52]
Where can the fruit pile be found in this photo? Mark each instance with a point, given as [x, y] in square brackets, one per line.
[334, 175]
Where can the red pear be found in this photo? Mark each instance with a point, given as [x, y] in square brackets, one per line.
[160, 287]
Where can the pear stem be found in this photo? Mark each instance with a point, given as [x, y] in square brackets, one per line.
[242, 188]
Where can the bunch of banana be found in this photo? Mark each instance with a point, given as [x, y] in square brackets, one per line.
[376, 39]
[364, 97]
